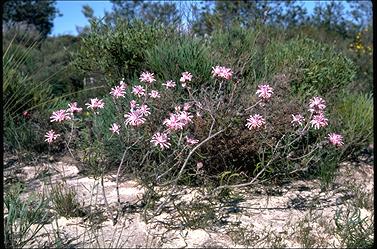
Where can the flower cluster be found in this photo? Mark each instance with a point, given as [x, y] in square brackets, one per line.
[182, 117]
[191, 141]
[297, 120]
[147, 77]
[317, 105]
[359, 46]
[138, 90]
[95, 104]
[60, 116]
[186, 76]
[255, 122]
[115, 128]
[264, 91]
[161, 139]
[335, 139]
[178, 120]
[222, 72]
[169, 84]
[134, 118]
[51, 136]
[118, 91]
[154, 94]
[319, 121]
[73, 108]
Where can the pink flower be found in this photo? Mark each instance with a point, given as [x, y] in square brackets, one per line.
[173, 122]
[160, 139]
[118, 91]
[138, 90]
[132, 104]
[297, 120]
[185, 117]
[319, 121]
[264, 91]
[60, 116]
[147, 77]
[254, 122]
[122, 84]
[317, 104]
[335, 139]
[216, 71]
[134, 118]
[95, 104]
[144, 110]
[72, 108]
[169, 84]
[186, 76]
[191, 141]
[115, 128]
[222, 72]
[154, 94]
[186, 106]
[51, 136]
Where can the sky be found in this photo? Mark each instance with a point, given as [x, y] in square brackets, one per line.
[73, 17]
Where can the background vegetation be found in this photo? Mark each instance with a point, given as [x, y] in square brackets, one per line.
[327, 52]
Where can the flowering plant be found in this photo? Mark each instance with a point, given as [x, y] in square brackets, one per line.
[164, 137]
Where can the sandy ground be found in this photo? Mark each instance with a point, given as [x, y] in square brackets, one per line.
[294, 215]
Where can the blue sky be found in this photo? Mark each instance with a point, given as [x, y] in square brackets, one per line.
[72, 16]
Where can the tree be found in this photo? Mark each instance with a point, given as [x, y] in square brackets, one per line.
[330, 16]
[165, 13]
[33, 12]
[288, 14]
[361, 13]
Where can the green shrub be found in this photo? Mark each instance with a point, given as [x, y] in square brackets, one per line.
[64, 201]
[21, 216]
[354, 115]
[20, 92]
[243, 50]
[317, 68]
[116, 52]
[175, 55]
[21, 133]
[354, 231]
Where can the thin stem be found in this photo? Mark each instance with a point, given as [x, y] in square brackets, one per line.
[253, 105]
[184, 165]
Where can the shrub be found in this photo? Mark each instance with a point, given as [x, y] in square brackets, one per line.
[243, 50]
[64, 201]
[239, 149]
[354, 231]
[116, 52]
[221, 110]
[354, 113]
[24, 98]
[178, 54]
[21, 133]
[317, 68]
[19, 91]
[21, 216]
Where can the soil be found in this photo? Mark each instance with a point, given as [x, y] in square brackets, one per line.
[298, 214]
